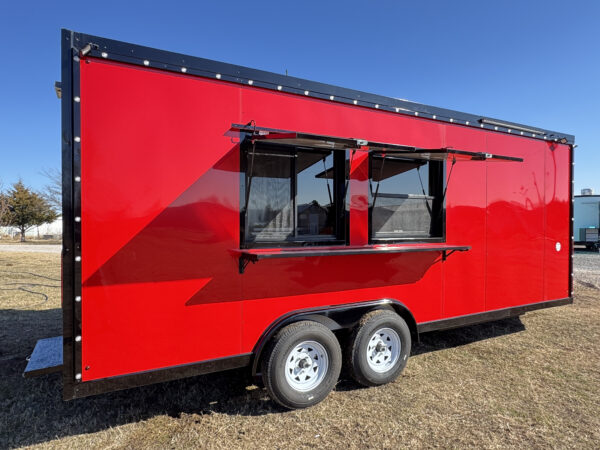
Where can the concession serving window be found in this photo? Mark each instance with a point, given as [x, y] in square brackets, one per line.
[294, 186]
[405, 199]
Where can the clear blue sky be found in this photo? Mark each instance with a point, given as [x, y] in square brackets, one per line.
[533, 62]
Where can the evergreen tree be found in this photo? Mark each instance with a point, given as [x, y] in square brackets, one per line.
[26, 209]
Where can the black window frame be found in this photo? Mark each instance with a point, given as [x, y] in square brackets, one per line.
[437, 185]
[339, 187]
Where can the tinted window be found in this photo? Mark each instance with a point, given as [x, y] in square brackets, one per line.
[290, 196]
[314, 194]
[404, 198]
[270, 202]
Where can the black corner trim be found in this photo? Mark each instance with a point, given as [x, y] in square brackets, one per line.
[472, 319]
[138, 379]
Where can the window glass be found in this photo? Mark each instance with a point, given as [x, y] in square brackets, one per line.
[270, 205]
[314, 195]
[403, 198]
[290, 195]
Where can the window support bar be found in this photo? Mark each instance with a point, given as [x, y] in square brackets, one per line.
[349, 170]
[446, 187]
[327, 181]
[378, 182]
[424, 194]
[250, 173]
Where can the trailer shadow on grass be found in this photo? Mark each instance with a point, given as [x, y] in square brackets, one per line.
[33, 411]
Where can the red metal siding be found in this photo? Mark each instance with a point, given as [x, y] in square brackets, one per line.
[556, 262]
[515, 223]
[464, 273]
[160, 216]
[160, 210]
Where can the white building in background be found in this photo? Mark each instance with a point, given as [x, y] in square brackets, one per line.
[587, 217]
[47, 231]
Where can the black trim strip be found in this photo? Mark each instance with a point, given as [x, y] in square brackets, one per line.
[137, 379]
[472, 319]
[109, 49]
[68, 245]
[77, 144]
[571, 216]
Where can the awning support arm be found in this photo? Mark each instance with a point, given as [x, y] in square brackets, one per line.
[424, 194]
[446, 187]
[327, 181]
[349, 170]
[250, 177]
[379, 181]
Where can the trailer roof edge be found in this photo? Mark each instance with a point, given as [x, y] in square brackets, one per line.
[176, 62]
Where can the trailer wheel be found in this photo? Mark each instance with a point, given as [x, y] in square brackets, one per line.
[301, 364]
[378, 348]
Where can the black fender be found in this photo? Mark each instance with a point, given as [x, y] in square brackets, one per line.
[338, 317]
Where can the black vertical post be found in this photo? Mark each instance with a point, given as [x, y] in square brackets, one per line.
[339, 184]
[68, 246]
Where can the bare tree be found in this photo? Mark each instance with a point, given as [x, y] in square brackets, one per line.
[52, 191]
[3, 202]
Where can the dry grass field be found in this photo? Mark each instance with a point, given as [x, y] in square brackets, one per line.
[528, 382]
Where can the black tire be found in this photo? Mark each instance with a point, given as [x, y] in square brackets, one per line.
[280, 349]
[360, 338]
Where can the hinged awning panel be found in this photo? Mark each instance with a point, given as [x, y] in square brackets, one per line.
[445, 154]
[297, 139]
[308, 140]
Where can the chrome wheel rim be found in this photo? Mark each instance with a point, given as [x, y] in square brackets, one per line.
[383, 350]
[306, 366]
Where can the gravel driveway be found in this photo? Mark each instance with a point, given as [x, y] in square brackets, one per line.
[41, 248]
[587, 269]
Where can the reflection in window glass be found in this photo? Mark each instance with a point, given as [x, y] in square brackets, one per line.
[289, 195]
[314, 194]
[270, 206]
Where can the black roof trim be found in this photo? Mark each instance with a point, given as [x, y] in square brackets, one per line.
[145, 56]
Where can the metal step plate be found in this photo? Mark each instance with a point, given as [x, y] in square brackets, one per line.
[47, 357]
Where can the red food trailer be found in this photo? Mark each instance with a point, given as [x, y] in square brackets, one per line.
[219, 217]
